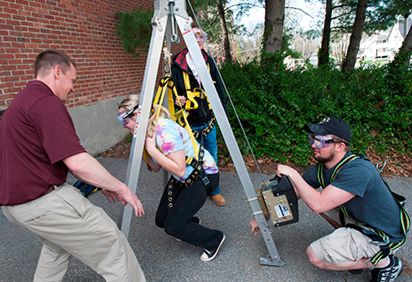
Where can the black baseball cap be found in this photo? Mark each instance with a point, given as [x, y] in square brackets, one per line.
[330, 125]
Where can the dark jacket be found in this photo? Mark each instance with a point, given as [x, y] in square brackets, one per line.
[201, 115]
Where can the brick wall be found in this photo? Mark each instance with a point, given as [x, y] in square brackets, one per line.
[85, 30]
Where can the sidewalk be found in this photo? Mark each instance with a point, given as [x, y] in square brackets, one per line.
[164, 259]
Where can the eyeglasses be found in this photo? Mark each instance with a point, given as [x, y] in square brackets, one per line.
[123, 116]
[320, 141]
[199, 36]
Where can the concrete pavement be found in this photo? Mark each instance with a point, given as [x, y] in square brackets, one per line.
[162, 258]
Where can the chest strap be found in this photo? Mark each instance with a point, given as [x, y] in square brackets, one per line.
[377, 236]
[191, 103]
[191, 94]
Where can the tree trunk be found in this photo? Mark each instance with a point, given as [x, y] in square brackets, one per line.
[404, 54]
[355, 38]
[405, 25]
[273, 32]
[225, 34]
[324, 49]
[407, 43]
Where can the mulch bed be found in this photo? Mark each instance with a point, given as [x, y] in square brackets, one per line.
[396, 164]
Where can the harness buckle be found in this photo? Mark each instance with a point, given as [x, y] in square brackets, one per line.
[385, 241]
[205, 180]
[369, 264]
[195, 134]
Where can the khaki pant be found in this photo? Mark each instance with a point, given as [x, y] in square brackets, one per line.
[68, 224]
[343, 244]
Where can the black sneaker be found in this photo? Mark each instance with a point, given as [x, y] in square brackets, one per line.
[210, 254]
[389, 273]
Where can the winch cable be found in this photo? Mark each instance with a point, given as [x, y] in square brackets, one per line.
[230, 99]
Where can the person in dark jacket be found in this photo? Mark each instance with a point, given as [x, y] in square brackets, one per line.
[186, 79]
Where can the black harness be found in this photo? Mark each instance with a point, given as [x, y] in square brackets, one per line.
[197, 172]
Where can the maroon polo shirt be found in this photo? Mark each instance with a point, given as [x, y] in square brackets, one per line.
[36, 134]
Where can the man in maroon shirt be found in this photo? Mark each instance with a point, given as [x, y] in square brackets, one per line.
[38, 147]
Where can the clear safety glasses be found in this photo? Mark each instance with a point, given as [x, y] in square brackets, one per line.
[123, 116]
[199, 37]
[320, 141]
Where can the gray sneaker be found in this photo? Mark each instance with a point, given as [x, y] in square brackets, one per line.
[389, 273]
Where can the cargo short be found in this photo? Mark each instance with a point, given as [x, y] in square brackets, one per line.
[344, 244]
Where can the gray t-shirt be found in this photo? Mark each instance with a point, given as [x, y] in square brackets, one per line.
[373, 203]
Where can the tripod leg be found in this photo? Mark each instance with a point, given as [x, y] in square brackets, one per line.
[146, 98]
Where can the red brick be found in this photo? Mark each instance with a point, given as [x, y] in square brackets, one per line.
[85, 30]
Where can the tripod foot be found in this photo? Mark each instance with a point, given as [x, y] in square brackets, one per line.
[268, 261]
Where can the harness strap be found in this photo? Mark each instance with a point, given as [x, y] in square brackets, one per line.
[191, 94]
[337, 168]
[191, 103]
[167, 84]
[198, 170]
[207, 129]
[180, 116]
[378, 237]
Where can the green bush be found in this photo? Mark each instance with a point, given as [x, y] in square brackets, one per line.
[273, 107]
[135, 30]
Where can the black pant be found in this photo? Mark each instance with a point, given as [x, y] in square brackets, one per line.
[178, 220]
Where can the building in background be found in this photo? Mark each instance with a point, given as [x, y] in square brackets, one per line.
[382, 46]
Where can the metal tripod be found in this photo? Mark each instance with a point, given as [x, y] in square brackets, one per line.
[170, 12]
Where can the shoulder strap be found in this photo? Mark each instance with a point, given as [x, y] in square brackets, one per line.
[180, 116]
[191, 94]
[337, 168]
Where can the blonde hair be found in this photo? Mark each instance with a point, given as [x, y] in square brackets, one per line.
[151, 126]
[132, 100]
[129, 102]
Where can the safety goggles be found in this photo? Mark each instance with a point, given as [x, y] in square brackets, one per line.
[320, 141]
[123, 116]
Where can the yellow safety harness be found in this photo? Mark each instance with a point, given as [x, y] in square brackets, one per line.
[192, 104]
[378, 236]
[167, 84]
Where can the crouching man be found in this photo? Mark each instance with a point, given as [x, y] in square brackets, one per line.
[353, 195]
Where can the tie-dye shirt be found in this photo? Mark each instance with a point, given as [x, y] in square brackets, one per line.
[171, 137]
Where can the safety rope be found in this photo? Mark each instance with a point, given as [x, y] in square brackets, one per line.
[230, 99]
